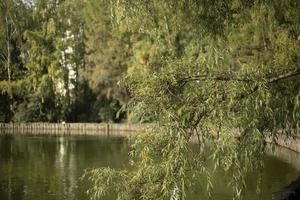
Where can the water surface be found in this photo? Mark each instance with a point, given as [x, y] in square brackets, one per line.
[49, 167]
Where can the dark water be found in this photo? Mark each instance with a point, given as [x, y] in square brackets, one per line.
[49, 167]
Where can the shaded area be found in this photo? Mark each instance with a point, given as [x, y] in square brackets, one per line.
[290, 192]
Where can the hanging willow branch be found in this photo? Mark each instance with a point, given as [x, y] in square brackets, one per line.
[270, 78]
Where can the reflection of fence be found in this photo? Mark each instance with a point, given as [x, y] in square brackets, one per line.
[71, 128]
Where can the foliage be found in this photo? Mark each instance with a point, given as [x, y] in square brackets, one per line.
[226, 74]
[48, 50]
[107, 55]
[14, 20]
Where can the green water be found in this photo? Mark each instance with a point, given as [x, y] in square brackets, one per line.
[49, 167]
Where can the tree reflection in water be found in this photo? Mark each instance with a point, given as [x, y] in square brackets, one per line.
[49, 167]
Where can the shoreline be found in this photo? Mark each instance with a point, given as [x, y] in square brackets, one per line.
[108, 129]
[104, 129]
[291, 143]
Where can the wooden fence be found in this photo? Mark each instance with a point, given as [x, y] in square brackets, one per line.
[71, 128]
[106, 129]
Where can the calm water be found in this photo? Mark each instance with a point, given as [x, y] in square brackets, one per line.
[48, 167]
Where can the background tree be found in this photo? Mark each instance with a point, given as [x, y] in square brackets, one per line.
[15, 18]
[70, 48]
[44, 72]
[47, 42]
[108, 58]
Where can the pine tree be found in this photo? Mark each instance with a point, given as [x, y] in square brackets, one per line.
[107, 56]
[44, 72]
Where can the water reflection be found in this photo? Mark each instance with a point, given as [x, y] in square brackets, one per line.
[48, 167]
[43, 167]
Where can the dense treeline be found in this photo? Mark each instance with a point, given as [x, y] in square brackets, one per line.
[60, 62]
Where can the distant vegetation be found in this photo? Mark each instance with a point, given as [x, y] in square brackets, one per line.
[60, 61]
[209, 69]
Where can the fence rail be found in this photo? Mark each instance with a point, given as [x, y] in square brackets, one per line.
[71, 128]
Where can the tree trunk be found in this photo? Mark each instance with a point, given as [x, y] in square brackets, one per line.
[8, 38]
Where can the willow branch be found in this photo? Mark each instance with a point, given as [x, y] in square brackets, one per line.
[240, 97]
[269, 78]
[275, 79]
[216, 78]
[286, 75]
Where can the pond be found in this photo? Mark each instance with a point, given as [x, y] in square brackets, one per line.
[49, 167]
